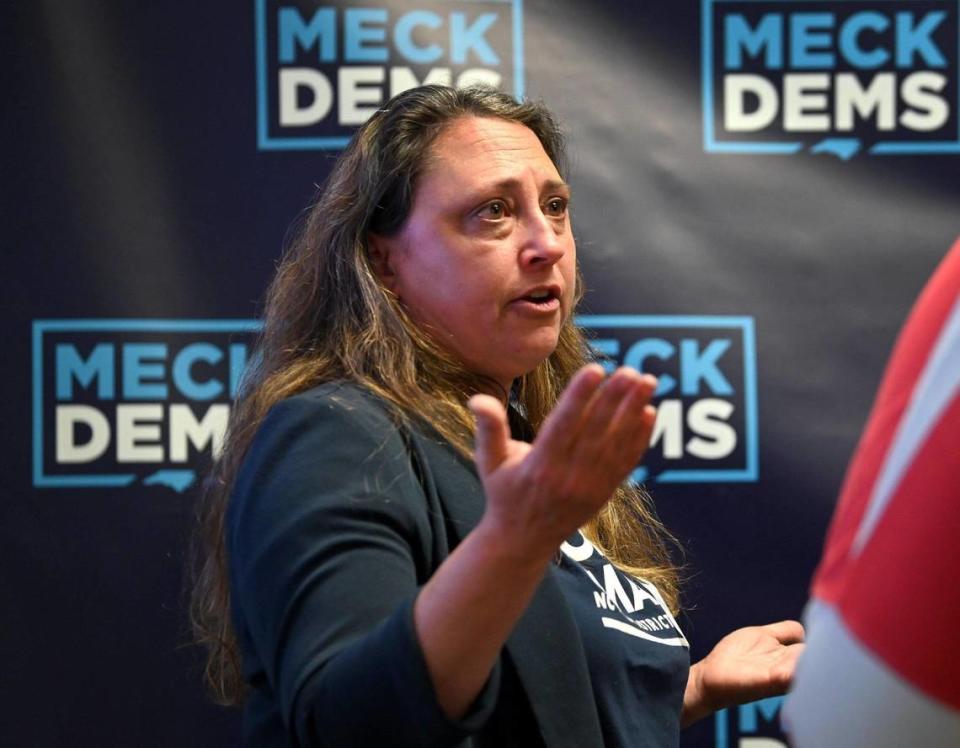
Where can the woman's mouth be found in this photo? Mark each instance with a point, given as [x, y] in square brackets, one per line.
[538, 301]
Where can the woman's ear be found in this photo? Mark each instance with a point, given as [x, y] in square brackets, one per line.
[381, 250]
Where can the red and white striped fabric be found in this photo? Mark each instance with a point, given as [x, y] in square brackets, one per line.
[881, 666]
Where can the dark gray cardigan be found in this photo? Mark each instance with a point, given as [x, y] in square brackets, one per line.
[337, 518]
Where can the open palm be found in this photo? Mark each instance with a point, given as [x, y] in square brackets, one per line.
[747, 664]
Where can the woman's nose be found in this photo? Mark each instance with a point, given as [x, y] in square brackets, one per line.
[543, 242]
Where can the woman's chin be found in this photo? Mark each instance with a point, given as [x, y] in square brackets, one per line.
[536, 353]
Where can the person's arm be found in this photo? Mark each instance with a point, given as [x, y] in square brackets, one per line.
[895, 528]
[536, 496]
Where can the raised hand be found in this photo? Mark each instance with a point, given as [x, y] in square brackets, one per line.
[748, 664]
[537, 494]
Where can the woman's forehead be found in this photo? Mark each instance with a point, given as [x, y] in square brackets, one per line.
[486, 147]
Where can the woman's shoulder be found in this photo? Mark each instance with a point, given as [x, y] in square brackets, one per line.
[333, 424]
[342, 395]
[332, 441]
[338, 406]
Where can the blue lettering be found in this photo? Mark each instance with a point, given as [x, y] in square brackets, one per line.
[463, 38]
[803, 41]
[182, 377]
[403, 36]
[767, 708]
[136, 371]
[98, 366]
[850, 39]
[643, 349]
[767, 37]
[356, 33]
[697, 365]
[915, 39]
[294, 32]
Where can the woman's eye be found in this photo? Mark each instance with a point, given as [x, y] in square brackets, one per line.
[556, 206]
[494, 210]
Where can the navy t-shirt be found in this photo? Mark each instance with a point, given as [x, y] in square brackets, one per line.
[636, 654]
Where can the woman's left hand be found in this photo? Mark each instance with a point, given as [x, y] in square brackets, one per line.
[748, 664]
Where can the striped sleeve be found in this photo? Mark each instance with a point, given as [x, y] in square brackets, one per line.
[879, 666]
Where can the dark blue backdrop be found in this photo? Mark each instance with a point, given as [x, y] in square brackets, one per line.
[150, 182]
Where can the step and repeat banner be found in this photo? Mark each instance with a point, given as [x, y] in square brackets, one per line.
[761, 189]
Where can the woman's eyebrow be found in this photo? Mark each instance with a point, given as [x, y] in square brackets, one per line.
[557, 184]
[512, 183]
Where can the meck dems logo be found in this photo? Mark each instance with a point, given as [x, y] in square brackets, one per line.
[117, 402]
[324, 67]
[836, 77]
[754, 725]
[125, 402]
[706, 427]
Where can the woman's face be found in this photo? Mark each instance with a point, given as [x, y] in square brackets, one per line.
[485, 262]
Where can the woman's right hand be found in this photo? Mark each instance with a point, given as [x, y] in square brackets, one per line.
[538, 494]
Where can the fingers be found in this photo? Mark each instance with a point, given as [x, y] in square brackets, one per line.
[786, 632]
[560, 430]
[601, 422]
[493, 432]
[783, 671]
[608, 400]
[632, 423]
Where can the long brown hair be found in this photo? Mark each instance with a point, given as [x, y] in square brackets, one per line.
[328, 317]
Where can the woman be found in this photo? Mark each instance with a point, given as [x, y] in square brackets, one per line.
[403, 566]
